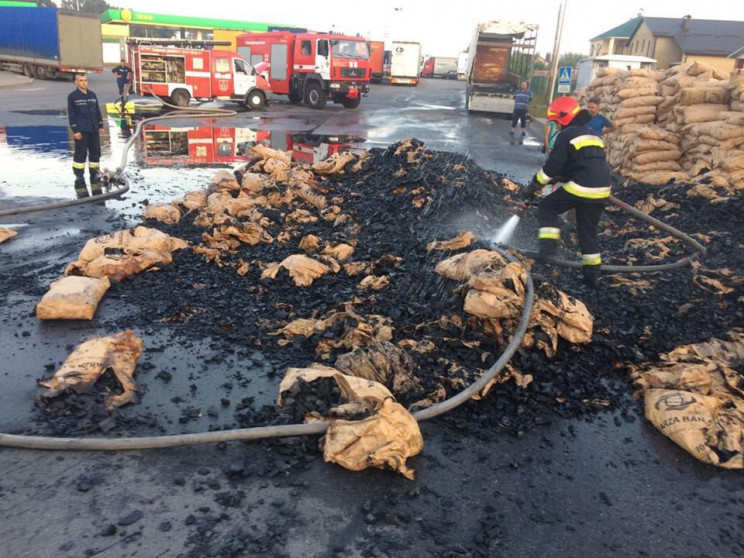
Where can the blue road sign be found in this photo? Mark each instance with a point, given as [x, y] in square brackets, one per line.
[564, 75]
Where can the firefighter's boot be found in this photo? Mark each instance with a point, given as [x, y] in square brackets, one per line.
[547, 249]
[81, 190]
[95, 182]
[591, 276]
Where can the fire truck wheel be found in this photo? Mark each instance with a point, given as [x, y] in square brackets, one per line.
[351, 103]
[255, 100]
[180, 98]
[314, 96]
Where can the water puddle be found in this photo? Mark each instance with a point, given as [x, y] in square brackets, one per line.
[37, 160]
[41, 112]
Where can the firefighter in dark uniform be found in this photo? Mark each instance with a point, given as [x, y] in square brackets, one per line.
[123, 75]
[578, 161]
[86, 122]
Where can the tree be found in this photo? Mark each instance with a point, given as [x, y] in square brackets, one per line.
[90, 6]
[570, 59]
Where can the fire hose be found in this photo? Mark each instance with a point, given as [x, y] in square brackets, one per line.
[261, 432]
[686, 239]
[112, 177]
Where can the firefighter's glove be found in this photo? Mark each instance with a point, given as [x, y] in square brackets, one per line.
[530, 191]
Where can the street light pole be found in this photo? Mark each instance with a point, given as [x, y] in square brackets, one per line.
[557, 47]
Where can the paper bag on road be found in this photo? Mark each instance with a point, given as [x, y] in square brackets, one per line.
[385, 439]
[72, 298]
[91, 359]
[125, 253]
[695, 396]
[5, 234]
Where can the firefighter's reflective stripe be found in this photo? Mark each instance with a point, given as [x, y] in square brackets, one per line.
[542, 178]
[589, 193]
[78, 165]
[591, 259]
[579, 142]
[549, 232]
[93, 165]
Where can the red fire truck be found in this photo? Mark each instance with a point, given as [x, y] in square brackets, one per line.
[180, 71]
[311, 67]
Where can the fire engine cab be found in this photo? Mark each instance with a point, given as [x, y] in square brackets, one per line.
[311, 67]
[183, 72]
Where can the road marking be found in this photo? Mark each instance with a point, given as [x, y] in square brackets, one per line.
[33, 89]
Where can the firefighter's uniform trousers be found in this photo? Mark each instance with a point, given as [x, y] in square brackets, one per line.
[84, 116]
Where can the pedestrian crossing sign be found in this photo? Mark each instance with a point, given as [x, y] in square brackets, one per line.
[564, 75]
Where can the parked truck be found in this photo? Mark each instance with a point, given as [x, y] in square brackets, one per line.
[312, 67]
[462, 65]
[48, 43]
[500, 54]
[439, 67]
[178, 71]
[376, 60]
[405, 63]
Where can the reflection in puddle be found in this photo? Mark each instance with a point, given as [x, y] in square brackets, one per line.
[41, 112]
[214, 145]
[37, 160]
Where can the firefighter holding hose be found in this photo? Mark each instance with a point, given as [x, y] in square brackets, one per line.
[578, 161]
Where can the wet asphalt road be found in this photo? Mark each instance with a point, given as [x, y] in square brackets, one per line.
[607, 486]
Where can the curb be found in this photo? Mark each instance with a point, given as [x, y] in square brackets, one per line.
[10, 80]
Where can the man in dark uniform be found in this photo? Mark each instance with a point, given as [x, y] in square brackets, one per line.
[123, 75]
[578, 160]
[86, 122]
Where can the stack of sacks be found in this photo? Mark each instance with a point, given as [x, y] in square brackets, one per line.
[648, 154]
[629, 99]
[736, 82]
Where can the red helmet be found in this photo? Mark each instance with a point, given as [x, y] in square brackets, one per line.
[563, 110]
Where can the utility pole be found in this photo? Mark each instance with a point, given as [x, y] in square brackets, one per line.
[557, 47]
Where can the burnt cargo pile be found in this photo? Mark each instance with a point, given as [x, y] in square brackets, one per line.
[389, 206]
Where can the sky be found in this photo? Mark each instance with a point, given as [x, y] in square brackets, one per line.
[446, 27]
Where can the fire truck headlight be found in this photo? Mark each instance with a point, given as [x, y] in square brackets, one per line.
[335, 85]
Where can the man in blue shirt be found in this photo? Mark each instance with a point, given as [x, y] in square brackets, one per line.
[123, 75]
[522, 99]
[86, 122]
[599, 124]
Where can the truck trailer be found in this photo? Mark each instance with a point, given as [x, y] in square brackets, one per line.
[376, 60]
[311, 67]
[439, 67]
[48, 43]
[405, 63]
[500, 55]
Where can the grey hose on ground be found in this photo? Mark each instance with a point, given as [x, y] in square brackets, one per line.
[258, 433]
[688, 240]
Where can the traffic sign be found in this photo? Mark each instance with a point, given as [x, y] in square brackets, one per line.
[564, 75]
[564, 88]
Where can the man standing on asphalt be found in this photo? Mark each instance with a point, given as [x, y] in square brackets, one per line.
[123, 75]
[599, 122]
[86, 122]
[578, 160]
[522, 99]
